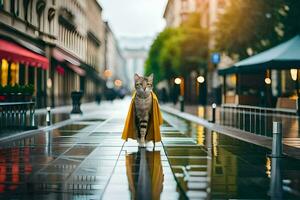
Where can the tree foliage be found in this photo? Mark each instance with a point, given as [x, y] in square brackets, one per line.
[152, 62]
[255, 25]
[178, 51]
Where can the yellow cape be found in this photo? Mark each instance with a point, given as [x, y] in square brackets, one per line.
[153, 132]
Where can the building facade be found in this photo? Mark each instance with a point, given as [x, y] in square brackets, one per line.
[114, 61]
[135, 51]
[64, 43]
[177, 11]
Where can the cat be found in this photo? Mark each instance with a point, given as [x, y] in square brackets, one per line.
[143, 105]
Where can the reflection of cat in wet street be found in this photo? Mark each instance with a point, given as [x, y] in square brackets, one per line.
[145, 174]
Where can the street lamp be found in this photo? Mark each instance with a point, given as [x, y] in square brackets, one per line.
[180, 82]
[200, 79]
[107, 73]
[118, 83]
[294, 74]
[268, 81]
[177, 81]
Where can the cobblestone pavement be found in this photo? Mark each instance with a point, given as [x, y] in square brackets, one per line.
[86, 159]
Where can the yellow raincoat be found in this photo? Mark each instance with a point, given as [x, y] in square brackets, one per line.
[153, 131]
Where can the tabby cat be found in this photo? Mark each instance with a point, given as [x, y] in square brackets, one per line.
[143, 105]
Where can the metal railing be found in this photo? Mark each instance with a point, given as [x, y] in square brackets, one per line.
[17, 115]
[254, 119]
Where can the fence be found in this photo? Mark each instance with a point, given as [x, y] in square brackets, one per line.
[257, 120]
[17, 115]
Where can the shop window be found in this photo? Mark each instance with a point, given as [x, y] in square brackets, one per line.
[14, 7]
[1, 4]
[4, 72]
[25, 8]
[14, 73]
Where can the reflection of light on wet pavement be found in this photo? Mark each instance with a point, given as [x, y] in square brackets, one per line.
[201, 111]
[88, 160]
[268, 167]
[223, 167]
[215, 143]
[200, 131]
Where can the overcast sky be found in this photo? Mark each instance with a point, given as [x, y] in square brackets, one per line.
[134, 17]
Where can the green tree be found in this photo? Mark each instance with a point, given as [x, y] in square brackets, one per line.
[256, 25]
[179, 50]
[152, 62]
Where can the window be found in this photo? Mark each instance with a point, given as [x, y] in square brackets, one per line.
[14, 7]
[1, 4]
[14, 73]
[4, 72]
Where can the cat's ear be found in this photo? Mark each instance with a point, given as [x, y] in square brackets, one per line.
[150, 77]
[136, 77]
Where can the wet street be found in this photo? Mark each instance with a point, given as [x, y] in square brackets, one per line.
[86, 159]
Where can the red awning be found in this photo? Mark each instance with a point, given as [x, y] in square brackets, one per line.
[15, 53]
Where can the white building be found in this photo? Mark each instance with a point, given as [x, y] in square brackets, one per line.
[177, 11]
[114, 61]
[135, 51]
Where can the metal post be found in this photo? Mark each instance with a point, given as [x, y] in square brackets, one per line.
[276, 189]
[181, 101]
[48, 116]
[298, 106]
[32, 118]
[213, 113]
[277, 140]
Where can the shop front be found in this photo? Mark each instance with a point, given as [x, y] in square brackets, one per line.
[21, 68]
[268, 79]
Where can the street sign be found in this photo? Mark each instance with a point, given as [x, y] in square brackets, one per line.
[215, 58]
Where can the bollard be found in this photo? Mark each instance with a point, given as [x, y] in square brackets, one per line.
[276, 187]
[277, 140]
[181, 101]
[76, 97]
[298, 106]
[32, 119]
[213, 106]
[48, 116]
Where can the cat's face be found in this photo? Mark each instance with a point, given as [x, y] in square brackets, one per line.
[143, 85]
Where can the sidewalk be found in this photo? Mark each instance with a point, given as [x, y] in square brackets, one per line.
[290, 147]
[85, 158]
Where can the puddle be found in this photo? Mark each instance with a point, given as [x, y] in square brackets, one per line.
[216, 166]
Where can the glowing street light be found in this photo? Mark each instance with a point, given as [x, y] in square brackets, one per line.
[294, 74]
[200, 79]
[107, 73]
[177, 81]
[118, 83]
[268, 81]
